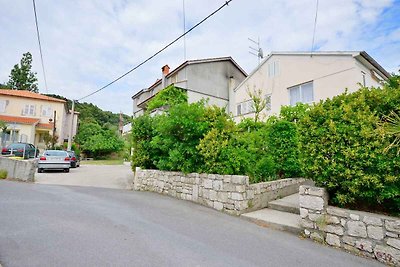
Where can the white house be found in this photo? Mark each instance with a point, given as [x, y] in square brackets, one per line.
[213, 79]
[286, 78]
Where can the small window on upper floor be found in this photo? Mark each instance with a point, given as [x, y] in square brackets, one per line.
[273, 69]
[268, 102]
[174, 78]
[363, 79]
[245, 107]
[303, 93]
[47, 111]
[3, 104]
[29, 110]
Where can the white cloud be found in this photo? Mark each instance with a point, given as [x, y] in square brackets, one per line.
[87, 44]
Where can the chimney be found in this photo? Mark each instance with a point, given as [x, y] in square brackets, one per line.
[165, 71]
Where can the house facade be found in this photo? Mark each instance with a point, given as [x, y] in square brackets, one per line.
[30, 117]
[287, 78]
[212, 79]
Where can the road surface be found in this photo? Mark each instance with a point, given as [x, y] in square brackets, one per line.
[52, 225]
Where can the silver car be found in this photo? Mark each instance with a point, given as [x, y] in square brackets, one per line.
[54, 160]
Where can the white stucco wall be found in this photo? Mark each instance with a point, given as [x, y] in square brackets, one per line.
[331, 75]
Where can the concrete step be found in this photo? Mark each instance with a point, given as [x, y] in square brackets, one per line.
[275, 219]
[287, 204]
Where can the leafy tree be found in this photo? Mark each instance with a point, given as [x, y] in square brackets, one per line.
[21, 77]
[3, 86]
[169, 96]
[258, 101]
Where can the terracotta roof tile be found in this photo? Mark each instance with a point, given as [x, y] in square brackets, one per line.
[28, 94]
[22, 120]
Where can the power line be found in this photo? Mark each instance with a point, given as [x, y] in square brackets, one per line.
[315, 26]
[158, 52]
[40, 46]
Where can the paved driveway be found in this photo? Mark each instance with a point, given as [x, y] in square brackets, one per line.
[50, 225]
[107, 176]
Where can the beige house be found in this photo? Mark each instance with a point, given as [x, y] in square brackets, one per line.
[30, 116]
[212, 79]
[286, 78]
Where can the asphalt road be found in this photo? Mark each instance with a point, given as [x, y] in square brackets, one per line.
[107, 176]
[51, 225]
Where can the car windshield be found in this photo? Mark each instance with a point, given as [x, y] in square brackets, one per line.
[71, 153]
[55, 153]
[17, 146]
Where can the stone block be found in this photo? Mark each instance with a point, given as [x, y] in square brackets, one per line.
[390, 234]
[387, 255]
[312, 202]
[208, 184]
[375, 232]
[349, 240]
[337, 212]
[343, 222]
[239, 179]
[213, 195]
[305, 223]
[394, 242]
[303, 213]
[356, 228]
[364, 245]
[372, 221]
[195, 191]
[393, 226]
[334, 229]
[311, 190]
[241, 205]
[249, 194]
[237, 196]
[240, 188]
[316, 217]
[354, 217]
[307, 232]
[217, 185]
[332, 219]
[227, 178]
[333, 240]
[317, 237]
[218, 205]
[222, 197]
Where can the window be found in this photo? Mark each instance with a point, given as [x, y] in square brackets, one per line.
[245, 107]
[3, 104]
[268, 102]
[303, 93]
[363, 79]
[174, 78]
[47, 111]
[29, 110]
[273, 69]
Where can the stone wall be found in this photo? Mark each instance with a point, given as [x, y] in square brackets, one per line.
[22, 170]
[228, 193]
[369, 234]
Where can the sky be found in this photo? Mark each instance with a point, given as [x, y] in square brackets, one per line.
[87, 44]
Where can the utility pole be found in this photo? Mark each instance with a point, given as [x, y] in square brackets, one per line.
[54, 130]
[71, 128]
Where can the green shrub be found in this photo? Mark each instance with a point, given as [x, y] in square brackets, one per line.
[283, 145]
[3, 174]
[343, 150]
[169, 96]
[142, 134]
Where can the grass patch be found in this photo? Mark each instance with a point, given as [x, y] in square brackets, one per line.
[103, 162]
[3, 174]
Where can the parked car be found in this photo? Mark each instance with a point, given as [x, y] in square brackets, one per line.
[24, 150]
[75, 160]
[54, 160]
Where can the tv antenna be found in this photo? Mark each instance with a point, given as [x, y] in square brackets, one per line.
[258, 52]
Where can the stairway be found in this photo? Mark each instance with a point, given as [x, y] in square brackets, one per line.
[281, 214]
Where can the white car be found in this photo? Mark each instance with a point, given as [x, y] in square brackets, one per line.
[54, 160]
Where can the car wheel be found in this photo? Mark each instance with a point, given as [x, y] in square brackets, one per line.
[39, 170]
[66, 170]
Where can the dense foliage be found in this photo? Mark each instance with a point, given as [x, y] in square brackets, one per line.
[169, 96]
[344, 150]
[96, 141]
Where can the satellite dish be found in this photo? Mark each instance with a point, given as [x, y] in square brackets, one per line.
[260, 53]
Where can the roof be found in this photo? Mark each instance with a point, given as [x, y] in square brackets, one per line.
[354, 54]
[21, 120]
[28, 94]
[191, 62]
